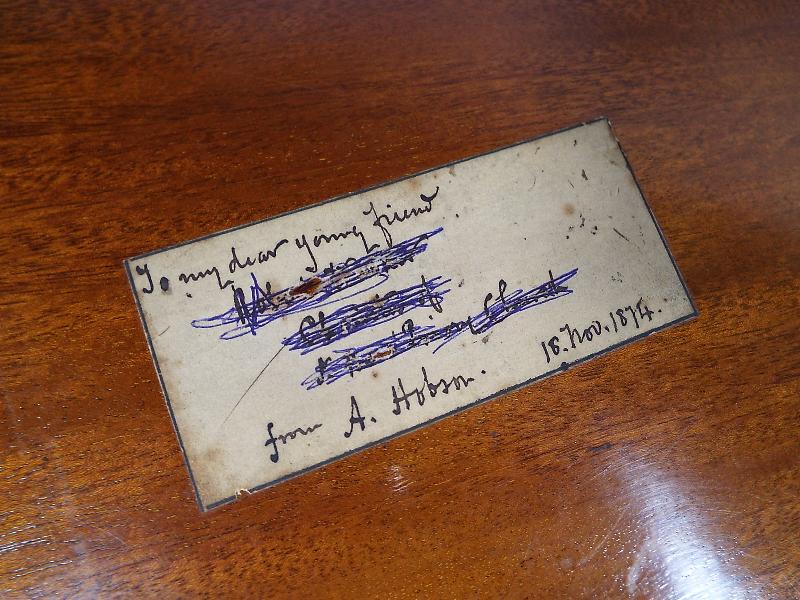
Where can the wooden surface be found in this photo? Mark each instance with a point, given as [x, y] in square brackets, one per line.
[668, 469]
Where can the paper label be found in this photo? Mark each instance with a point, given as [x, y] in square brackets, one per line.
[288, 343]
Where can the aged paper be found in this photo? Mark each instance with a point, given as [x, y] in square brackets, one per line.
[291, 342]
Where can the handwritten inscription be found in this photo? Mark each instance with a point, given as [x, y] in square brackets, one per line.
[427, 390]
[334, 284]
[296, 340]
[272, 440]
[634, 316]
[495, 310]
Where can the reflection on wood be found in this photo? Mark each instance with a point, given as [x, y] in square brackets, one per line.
[666, 469]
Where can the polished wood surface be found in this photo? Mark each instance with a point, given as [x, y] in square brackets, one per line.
[667, 469]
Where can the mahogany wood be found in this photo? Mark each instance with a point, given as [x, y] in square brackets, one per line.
[667, 469]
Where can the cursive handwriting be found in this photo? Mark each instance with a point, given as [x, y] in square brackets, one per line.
[249, 261]
[323, 238]
[618, 319]
[202, 274]
[329, 286]
[273, 440]
[496, 309]
[383, 221]
[323, 330]
[427, 390]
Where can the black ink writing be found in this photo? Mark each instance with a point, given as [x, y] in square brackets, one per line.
[428, 389]
[383, 221]
[273, 440]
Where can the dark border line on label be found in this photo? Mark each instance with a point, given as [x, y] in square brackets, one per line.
[564, 365]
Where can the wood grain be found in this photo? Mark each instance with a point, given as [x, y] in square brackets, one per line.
[670, 468]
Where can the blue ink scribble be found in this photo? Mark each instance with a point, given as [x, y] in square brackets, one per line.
[321, 290]
[320, 331]
[412, 336]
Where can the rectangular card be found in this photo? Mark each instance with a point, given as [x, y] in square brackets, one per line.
[288, 343]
